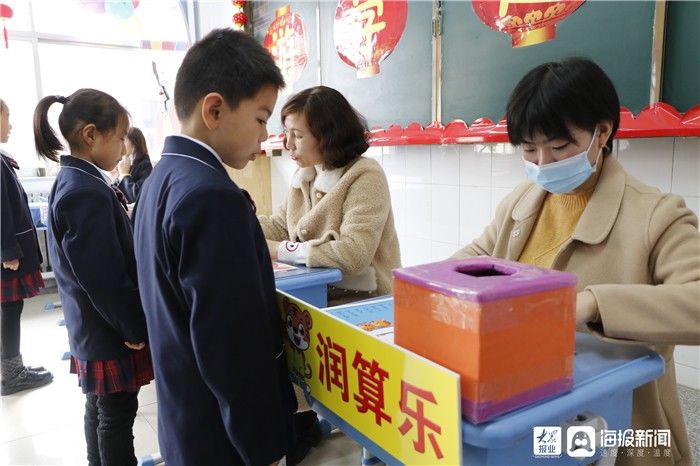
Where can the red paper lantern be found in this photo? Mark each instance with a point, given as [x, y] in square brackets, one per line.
[286, 41]
[366, 32]
[240, 19]
[239, 3]
[5, 14]
[528, 22]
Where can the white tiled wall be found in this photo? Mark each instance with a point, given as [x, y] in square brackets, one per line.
[444, 196]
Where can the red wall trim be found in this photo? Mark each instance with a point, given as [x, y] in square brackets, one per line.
[657, 120]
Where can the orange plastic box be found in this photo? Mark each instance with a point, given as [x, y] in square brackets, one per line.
[507, 328]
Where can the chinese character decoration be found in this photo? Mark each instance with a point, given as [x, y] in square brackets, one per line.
[5, 14]
[422, 423]
[286, 41]
[528, 22]
[333, 367]
[366, 32]
[370, 396]
[239, 18]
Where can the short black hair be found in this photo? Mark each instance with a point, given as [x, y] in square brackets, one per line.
[573, 91]
[229, 62]
[340, 130]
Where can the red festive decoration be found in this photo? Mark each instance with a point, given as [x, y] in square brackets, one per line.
[528, 22]
[5, 14]
[239, 3]
[656, 120]
[366, 32]
[286, 41]
[240, 19]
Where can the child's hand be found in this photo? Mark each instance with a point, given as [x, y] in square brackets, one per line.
[124, 166]
[135, 346]
[12, 265]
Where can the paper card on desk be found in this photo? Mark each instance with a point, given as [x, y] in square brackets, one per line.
[281, 269]
[281, 266]
[376, 319]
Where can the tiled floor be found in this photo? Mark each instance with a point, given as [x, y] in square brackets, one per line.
[45, 426]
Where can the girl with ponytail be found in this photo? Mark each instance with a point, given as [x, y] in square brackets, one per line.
[91, 248]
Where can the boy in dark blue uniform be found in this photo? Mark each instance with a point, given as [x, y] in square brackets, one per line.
[205, 273]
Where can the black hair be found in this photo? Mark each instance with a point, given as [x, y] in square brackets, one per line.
[229, 62]
[83, 107]
[340, 130]
[136, 138]
[573, 91]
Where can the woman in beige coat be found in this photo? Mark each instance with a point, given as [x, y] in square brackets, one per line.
[635, 250]
[338, 210]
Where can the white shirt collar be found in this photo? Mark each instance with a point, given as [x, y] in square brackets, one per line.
[107, 179]
[206, 146]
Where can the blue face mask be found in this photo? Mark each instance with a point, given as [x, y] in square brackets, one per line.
[565, 175]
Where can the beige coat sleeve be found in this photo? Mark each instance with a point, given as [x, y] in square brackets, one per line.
[365, 212]
[275, 226]
[667, 311]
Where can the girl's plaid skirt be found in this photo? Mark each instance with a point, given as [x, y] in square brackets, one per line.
[127, 374]
[17, 288]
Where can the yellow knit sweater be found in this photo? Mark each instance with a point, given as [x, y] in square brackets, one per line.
[555, 225]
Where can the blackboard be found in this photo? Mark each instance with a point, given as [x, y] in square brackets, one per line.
[681, 80]
[480, 68]
[401, 92]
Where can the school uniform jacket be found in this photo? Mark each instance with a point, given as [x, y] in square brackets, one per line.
[206, 280]
[19, 239]
[131, 185]
[348, 222]
[92, 253]
[638, 251]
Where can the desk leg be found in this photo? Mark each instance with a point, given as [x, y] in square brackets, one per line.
[368, 459]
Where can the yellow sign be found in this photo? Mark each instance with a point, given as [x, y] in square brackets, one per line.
[407, 405]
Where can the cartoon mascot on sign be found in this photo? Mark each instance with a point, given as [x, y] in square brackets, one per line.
[298, 330]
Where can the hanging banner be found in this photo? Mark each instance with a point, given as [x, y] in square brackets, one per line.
[366, 32]
[407, 405]
[286, 41]
[528, 22]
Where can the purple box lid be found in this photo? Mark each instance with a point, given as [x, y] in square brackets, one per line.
[483, 278]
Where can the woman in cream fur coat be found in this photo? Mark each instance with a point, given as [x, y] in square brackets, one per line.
[338, 210]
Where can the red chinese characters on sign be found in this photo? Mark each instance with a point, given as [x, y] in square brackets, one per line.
[370, 396]
[366, 32]
[528, 22]
[333, 370]
[286, 41]
[422, 423]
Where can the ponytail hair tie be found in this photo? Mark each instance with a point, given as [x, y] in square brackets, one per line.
[62, 100]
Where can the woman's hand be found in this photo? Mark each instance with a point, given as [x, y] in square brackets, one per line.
[135, 346]
[586, 307]
[124, 166]
[12, 265]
